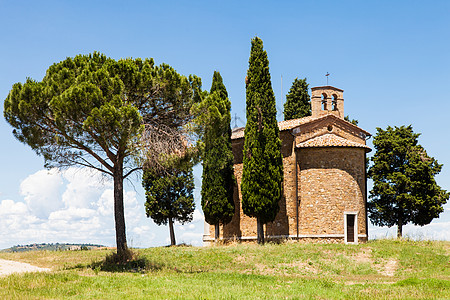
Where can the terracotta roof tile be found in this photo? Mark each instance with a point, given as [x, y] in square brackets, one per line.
[289, 124]
[237, 133]
[283, 125]
[330, 140]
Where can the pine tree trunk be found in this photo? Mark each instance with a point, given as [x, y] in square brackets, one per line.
[260, 230]
[400, 227]
[172, 233]
[217, 232]
[119, 216]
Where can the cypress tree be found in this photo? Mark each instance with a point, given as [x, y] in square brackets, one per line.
[262, 175]
[218, 177]
[298, 103]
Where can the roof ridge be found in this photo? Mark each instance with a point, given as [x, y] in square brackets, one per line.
[289, 124]
[330, 140]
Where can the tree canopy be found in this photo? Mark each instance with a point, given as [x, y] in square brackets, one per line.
[109, 115]
[353, 121]
[404, 189]
[262, 174]
[298, 103]
[218, 177]
[169, 195]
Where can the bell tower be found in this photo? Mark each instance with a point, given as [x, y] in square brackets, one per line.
[327, 100]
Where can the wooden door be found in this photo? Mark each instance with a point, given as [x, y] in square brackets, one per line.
[350, 228]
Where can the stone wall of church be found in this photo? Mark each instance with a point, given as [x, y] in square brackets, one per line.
[331, 182]
[242, 225]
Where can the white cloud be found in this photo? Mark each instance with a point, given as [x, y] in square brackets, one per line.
[72, 214]
[84, 187]
[77, 205]
[180, 227]
[433, 231]
[191, 238]
[141, 229]
[41, 192]
[105, 204]
[446, 213]
[198, 216]
[9, 208]
[134, 213]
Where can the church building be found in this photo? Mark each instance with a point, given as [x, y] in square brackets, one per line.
[325, 185]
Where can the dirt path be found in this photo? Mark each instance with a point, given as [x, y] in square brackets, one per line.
[8, 267]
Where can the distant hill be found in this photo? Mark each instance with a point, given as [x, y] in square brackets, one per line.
[52, 247]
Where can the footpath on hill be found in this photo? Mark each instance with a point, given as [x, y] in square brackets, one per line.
[8, 267]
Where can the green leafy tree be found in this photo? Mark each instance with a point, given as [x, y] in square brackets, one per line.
[169, 195]
[217, 178]
[109, 115]
[404, 189]
[298, 103]
[262, 175]
[353, 121]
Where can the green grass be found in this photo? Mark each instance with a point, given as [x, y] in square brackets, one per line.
[382, 269]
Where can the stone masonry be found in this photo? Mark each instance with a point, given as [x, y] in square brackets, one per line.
[324, 187]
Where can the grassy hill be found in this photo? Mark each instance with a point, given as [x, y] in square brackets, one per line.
[383, 269]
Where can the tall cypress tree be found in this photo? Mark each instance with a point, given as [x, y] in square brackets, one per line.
[298, 103]
[218, 178]
[262, 175]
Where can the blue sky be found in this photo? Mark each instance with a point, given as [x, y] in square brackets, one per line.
[391, 58]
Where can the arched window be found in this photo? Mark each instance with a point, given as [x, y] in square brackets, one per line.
[334, 102]
[324, 101]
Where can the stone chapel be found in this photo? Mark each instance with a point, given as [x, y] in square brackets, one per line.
[325, 185]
